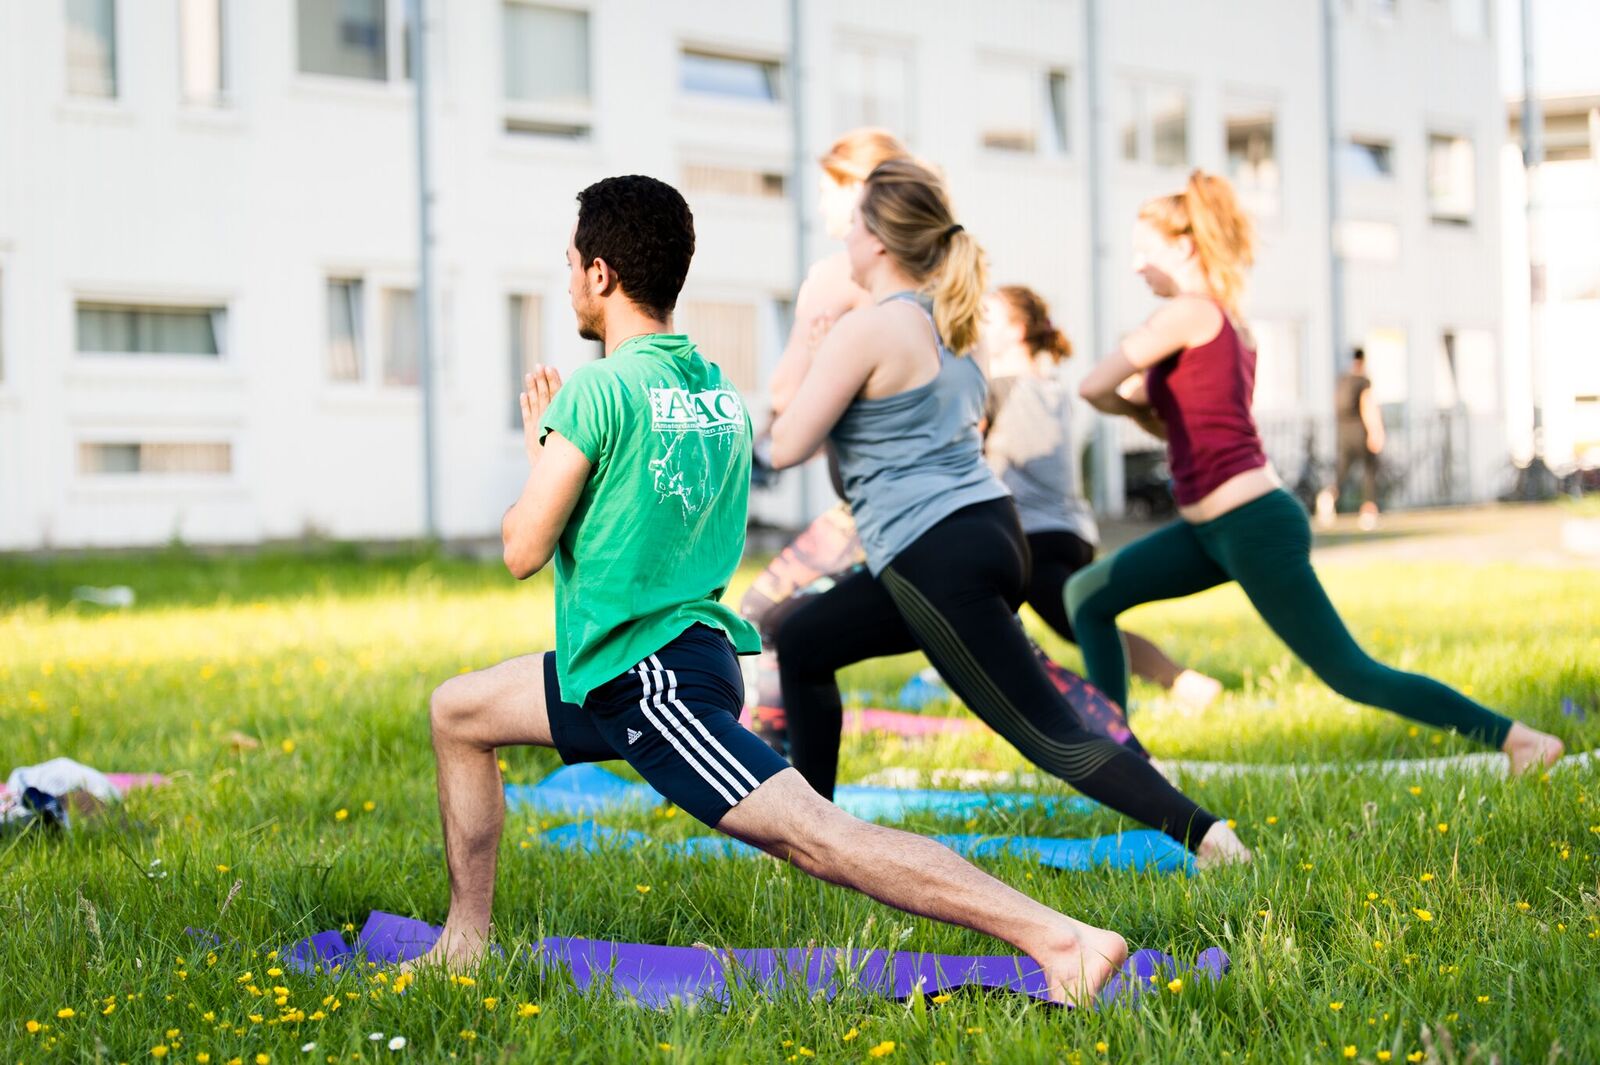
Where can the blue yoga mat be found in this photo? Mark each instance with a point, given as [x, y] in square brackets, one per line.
[1137, 850]
[578, 790]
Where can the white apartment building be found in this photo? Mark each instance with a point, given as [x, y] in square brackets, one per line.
[209, 249]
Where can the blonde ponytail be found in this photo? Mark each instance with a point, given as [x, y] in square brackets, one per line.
[1207, 212]
[906, 207]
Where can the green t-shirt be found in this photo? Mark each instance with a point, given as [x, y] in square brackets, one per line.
[659, 528]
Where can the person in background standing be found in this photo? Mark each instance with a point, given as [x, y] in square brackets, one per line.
[1360, 439]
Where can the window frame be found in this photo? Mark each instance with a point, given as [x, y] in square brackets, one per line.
[565, 125]
[223, 99]
[116, 97]
[1139, 88]
[873, 45]
[778, 76]
[1244, 103]
[1445, 222]
[1370, 140]
[396, 78]
[1042, 72]
[158, 361]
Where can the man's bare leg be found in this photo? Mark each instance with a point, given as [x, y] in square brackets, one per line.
[788, 820]
[470, 716]
[1149, 662]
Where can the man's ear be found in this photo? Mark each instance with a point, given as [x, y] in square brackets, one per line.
[602, 277]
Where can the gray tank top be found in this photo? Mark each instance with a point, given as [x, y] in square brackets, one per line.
[1030, 448]
[910, 460]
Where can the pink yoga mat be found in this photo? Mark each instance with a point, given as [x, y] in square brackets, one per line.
[897, 722]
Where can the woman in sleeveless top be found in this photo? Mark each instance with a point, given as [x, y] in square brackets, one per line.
[828, 548]
[1030, 445]
[946, 558]
[1189, 374]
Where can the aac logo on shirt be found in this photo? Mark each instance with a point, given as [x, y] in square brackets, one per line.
[677, 410]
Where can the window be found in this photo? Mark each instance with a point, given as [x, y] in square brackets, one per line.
[1252, 146]
[401, 347]
[1384, 10]
[1469, 18]
[128, 329]
[546, 75]
[1022, 108]
[872, 86]
[1366, 160]
[1452, 181]
[344, 38]
[713, 179]
[204, 458]
[92, 48]
[346, 335]
[1387, 364]
[1466, 373]
[203, 74]
[523, 342]
[710, 74]
[1155, 125]
[725, 333]
[1279, 351]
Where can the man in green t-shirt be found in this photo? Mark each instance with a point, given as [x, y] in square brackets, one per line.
[638, 486]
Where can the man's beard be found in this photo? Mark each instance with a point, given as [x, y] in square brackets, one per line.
[592, 326]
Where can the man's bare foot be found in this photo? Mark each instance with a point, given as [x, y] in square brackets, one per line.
[1196, 690]
[1220, 847]
[1528, 748]
[1079, 961]
[456, 951]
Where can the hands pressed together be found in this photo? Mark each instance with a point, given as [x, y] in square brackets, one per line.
[539, 389]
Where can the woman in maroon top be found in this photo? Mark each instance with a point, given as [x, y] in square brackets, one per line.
[1188, 375]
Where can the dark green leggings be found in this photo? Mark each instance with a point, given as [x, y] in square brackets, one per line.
[1265, 545]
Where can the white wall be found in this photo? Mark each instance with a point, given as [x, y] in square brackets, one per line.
[300, 177]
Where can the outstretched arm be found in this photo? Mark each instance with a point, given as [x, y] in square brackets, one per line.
[557, 473]
[838, 371]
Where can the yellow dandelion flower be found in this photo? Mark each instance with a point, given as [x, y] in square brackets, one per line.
[1372, 896]
[1483, 1000]
[975, 1031]
[882, 1050]
[1101, 1047]
[1443, 826]
[1272, 820]
[643, 889]
[1452, 1016]
[1524, 906]
[1384, 1055]
[203, 1058]
[288, 746]
[173, 1033]
[263, 1059]
[1422, 915]
[341, 814]
[1175, 985]
[851, 1034]
[110, 1008]
[220, 869]
[1413, 731]
[1232, 823]
[245, 979]
[1377, 944]
[67, 1013]
[158, 1051]
[1350, 1050]
[528, 1009]
[805, 1052]
[664, 1046]
[490, 1003]
[208, 1015]
[1336, 1006]
[1414, 1057]
[464, 981]
[940, 999]
[468, 1034]
[33, 1027]
[1426, 878]
[504, 765]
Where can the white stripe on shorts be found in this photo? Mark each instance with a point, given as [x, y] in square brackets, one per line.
[644, 706]
[683, 729]
[672, 694]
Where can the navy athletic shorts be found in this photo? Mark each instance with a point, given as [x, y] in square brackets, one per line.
[675, 718]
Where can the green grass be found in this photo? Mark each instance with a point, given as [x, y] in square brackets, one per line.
[327, 659]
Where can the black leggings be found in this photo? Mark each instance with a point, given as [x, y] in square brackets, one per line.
[953, 594]
[1056, 557]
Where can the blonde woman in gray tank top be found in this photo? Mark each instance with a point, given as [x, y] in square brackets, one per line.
[898, 389]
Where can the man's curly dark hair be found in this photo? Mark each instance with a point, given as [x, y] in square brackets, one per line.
[644, 231]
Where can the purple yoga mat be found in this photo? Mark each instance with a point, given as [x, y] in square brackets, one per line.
[656, 975]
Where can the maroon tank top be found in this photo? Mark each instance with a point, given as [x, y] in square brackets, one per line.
[1204, 394]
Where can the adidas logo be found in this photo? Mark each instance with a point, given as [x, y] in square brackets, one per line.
[633, 734]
